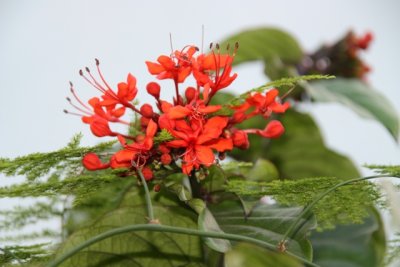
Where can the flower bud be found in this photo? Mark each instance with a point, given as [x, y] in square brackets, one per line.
[92, 162]
[190, 94]
[240, 139]
[147, 111]
[166, 159]
[153, 89]
[147, 173]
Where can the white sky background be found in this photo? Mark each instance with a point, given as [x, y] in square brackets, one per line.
[43, 44]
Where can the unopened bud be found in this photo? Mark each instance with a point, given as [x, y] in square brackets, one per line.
[146, 110]
[153, 89]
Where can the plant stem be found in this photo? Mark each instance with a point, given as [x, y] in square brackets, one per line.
[149, 206]
[170, 229]
[195, 186]
[308, 208]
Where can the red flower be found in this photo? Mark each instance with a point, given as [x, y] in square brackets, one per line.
[135, 154]
[265, 104]
[126, 93]
[176, 67]
[214, 70]
[199, 143]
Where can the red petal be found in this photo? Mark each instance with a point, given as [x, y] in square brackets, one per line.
[221, 144]
[178, 112]
[125, 156]
[212, 129]
[177, 143]
[204, 155]
[209, 109]
[154, 68]
[151, 129]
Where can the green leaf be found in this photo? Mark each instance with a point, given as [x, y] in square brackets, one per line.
[207, 222]
[300, 152]
[145, 249]
[355, 245]
[266, 222]
[264, 43]
[250, 255]
[263, 170]
[360, 97]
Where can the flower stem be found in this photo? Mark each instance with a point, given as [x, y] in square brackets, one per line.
[170, 229]
[293, 227]
[149, 205]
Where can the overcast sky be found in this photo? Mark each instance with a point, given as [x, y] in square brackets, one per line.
[44, 43]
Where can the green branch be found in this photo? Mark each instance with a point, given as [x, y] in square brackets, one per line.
[149, 205]
[293, 227]
[170, 229]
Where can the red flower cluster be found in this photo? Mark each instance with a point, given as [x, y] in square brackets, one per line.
[185, 133]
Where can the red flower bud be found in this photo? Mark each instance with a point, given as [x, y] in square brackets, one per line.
[153, 89]
[92, 162]
[100, 128]
[274, 129]
[190, 94]
[240, 139]
[147, 173]
[164, 149]
[157, 188]
[166, 159]
[147, 111]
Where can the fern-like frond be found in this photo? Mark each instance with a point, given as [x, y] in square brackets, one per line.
[346, 205]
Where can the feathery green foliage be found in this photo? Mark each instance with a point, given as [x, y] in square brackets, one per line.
[393, 170]
[393, 253]
[67, 159]
[21, 216]
[10, 255]
[346, 205]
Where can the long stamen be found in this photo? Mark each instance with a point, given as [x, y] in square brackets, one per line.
[73, 113]
[78, 108]
[90, 82]
[76, 97]
[94, 80]
[101, 75]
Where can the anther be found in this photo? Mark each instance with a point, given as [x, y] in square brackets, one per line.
[211, 45]
[227, 47]
[81, 72]
[68, 99]
[217, 46]
[237, 45]
[97, 61]
[197, 49]
[70, 83]
[65, 111]
[87, 69]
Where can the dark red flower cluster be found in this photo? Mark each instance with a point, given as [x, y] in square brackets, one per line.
[340, 59]
[185, 133]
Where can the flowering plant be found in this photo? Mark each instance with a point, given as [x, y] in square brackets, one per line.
[278, 194]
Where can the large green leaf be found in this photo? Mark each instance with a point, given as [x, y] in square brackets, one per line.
[252, 256]
[356, 245]
[360, 97]
[264, 44]
[300, 152]
[145, 249]
[266, 222]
